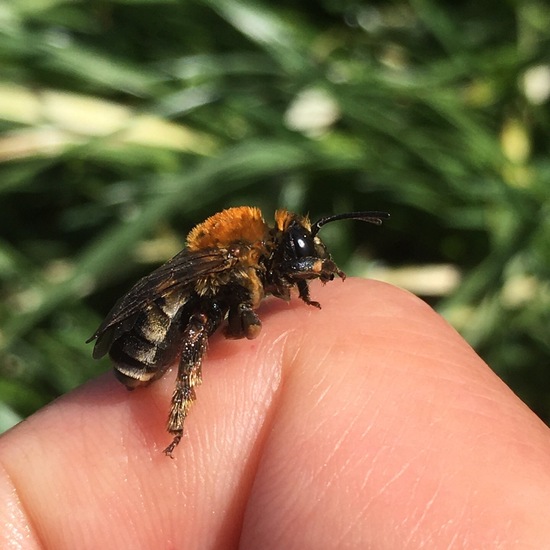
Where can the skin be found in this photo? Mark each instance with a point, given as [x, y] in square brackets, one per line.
[368, 424]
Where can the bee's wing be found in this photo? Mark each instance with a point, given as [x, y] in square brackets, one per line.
[178, 274]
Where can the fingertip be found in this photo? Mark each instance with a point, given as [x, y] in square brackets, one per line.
[390, 422]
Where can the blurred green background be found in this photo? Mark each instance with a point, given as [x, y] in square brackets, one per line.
[124, 123]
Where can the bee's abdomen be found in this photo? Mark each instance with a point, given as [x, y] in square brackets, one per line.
[142, 353]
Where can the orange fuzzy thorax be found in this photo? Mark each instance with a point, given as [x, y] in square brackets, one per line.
[242, 223]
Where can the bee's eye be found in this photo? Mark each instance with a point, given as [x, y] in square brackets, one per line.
[300, 242]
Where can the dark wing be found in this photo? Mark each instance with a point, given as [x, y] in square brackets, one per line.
[178, 274]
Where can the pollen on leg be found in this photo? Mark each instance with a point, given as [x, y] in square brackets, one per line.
[317, 266]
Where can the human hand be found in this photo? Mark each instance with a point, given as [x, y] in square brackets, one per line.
[368, 424]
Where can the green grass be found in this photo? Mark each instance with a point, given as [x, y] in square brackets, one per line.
[122, 124]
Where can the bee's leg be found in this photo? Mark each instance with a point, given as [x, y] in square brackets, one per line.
[303, 291]
[195, 338]
[302, 270]
[242, 322]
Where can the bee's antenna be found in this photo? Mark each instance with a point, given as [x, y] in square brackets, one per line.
[371, 217]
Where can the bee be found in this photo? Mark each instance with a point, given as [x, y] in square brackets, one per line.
[232, 261]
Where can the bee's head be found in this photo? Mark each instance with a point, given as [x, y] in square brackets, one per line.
[300, 238]
[298, 255]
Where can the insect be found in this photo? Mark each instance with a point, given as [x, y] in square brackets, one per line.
[231, 262]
